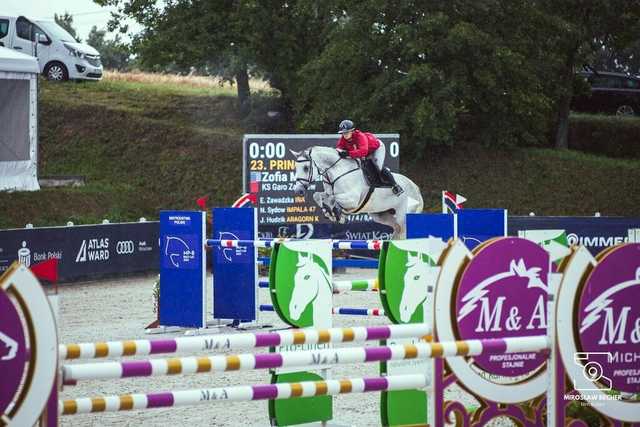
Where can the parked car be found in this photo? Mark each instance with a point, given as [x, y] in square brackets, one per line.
[60, 56]
[613, 93]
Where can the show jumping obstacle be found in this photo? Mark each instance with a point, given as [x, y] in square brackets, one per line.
[242, 341]
[298, 359]
[345, 311]
[586, 292]
[182, 300]
[241, 394]
[340, 285]
[504, 288]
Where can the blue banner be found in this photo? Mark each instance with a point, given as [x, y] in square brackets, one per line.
[183, 269]
[431, 224]
[478, 225]
[235, 269]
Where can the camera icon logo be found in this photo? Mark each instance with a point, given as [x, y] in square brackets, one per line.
[592, 371]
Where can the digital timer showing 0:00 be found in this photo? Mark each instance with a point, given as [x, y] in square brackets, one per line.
[268, 150]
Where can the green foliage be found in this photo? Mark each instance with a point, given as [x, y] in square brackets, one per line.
[66, 22]
[416, 67]
[499, 72]
[143, 147]
[606, 135]
[114, 54]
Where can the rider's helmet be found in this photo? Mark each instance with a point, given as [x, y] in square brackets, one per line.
[346, 126]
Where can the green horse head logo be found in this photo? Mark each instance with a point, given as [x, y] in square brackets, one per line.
[418, 275]
[312, 285]
[300, 282]
[408, 270]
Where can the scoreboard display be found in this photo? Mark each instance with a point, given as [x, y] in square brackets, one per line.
[269, 174]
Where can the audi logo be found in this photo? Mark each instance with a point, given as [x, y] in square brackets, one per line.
[124, 247]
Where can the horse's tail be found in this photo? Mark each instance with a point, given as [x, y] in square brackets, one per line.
[418, 196]
[420, 207]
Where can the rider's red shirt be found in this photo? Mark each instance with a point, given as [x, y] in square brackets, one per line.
[361, 144]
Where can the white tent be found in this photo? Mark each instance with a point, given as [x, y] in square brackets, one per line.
[18, 121]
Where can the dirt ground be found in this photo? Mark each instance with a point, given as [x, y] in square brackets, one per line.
[120, 309]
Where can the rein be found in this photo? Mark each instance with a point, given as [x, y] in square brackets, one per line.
[323, 173]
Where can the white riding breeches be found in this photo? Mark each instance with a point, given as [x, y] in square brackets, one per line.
[379, 155]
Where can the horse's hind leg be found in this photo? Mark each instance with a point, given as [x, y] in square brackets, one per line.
[400, 218]
[386, 218]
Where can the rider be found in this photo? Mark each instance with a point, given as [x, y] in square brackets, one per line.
[358, 145]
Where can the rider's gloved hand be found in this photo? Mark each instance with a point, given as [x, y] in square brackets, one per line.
[343, 154]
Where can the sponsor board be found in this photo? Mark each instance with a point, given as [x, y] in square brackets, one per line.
[88, 251]
[594, 233]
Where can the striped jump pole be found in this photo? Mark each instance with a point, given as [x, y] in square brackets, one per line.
[374, 245]
[345, 311]
[341, 285]
[241, 393]
[337, 262]
[228, 243]
[297, 359]
[243, 341]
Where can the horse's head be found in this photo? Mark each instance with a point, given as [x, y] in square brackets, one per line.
[306, 282]
[304, 171]
[416, 280]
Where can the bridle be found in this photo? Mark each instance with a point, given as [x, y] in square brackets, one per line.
[306, 157]
[306, 182]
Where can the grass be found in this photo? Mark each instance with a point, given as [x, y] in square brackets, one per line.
[146, 143]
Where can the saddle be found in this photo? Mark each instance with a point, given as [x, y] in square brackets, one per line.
[372, 175]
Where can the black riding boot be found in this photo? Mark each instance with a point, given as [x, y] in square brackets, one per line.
[388, 176]
[337, 213]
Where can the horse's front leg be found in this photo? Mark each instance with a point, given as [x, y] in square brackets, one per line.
[326, 202]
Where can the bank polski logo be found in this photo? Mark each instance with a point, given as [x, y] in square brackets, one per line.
[302, 290]
[24, 255]
[408, 277]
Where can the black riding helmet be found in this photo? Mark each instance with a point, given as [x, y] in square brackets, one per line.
[346, 126]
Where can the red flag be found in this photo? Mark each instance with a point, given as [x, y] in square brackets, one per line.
[202, 202]
[47, 270]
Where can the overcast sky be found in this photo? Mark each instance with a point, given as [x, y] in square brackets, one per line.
[85, 12]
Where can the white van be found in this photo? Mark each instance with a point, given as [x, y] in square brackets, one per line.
[60, 57]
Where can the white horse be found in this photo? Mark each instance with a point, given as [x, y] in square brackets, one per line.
[417, 279]
[345, 188]
[312, 285]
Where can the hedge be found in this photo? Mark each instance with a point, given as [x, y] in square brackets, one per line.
[611, 136]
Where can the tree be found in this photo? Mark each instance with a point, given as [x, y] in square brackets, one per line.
[579, 30]
[230, 38]
[114, 54]
[625, 60]
[431, 70]
[66, 22]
